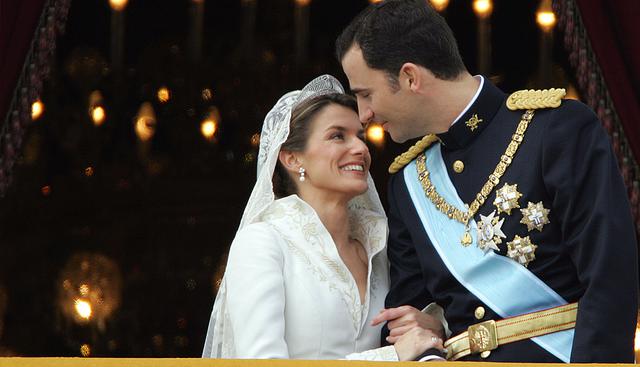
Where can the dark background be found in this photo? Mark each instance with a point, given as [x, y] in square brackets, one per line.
[165, 216]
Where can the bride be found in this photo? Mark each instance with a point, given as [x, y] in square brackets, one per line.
[307, 271]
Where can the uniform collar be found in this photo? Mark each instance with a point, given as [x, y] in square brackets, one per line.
[473, 120]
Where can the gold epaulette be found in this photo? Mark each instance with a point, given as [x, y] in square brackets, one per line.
[521, 100]
[534, 99]
[403, 159]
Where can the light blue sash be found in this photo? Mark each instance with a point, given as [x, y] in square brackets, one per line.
[501, 283]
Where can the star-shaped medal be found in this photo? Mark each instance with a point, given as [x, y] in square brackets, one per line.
[521, 250]
[507, 198]
[490, 232]
[535, 216]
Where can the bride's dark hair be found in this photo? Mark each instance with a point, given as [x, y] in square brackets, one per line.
[299, 130]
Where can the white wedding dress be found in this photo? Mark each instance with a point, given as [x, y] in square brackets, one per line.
[287, 293]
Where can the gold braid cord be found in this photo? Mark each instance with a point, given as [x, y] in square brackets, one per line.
[403, 159]
[535, 99]
[521, 100]
[493, 180]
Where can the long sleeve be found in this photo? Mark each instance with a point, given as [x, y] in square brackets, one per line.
[590, 201]
[256, 296]
[407, 285]
[387, 354]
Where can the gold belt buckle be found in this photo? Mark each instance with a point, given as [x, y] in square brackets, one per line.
[483, 336]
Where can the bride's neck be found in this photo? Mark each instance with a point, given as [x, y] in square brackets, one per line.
[334, 215]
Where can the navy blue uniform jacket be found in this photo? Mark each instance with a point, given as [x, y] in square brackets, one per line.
[587, 253]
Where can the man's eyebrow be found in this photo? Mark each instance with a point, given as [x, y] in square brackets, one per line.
[358, 90]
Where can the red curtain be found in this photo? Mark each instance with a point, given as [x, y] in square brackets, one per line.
[18, 23]
[28, 30]
[613, 30]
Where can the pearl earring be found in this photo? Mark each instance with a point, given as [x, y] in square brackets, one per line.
[301, 171]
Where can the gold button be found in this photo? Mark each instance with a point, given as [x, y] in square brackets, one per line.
[485, 354]
[458, 166]
[479, 313]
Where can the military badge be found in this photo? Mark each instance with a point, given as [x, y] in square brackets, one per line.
[507, 198]
[490, 232]
[535, 216]
[473, 122]
[521, 250]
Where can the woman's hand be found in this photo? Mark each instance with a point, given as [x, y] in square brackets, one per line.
[404, 318]
[415, 341]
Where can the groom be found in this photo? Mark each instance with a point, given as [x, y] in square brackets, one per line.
[513, 217]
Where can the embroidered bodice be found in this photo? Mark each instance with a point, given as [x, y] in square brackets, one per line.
[289, 295]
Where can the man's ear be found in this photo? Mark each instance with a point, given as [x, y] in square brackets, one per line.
[289, 160]
[413, 77]
[408, 77]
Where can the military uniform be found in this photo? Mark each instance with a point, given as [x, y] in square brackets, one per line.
[584, 240]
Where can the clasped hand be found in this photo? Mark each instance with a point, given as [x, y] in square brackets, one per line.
[411, 331]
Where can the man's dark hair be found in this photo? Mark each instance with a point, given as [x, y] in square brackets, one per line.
[393, 32]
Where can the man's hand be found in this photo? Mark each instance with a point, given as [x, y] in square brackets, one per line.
[404, 318]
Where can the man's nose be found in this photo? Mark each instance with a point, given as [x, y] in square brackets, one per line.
[365, 113]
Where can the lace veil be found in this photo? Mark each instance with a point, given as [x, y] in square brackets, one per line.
[275, 130]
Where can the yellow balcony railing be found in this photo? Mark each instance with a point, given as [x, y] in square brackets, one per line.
[199, 362]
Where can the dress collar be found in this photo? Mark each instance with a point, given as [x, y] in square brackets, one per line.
[474, 118]
[367, 226]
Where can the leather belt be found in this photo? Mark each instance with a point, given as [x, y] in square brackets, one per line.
[488, 335]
